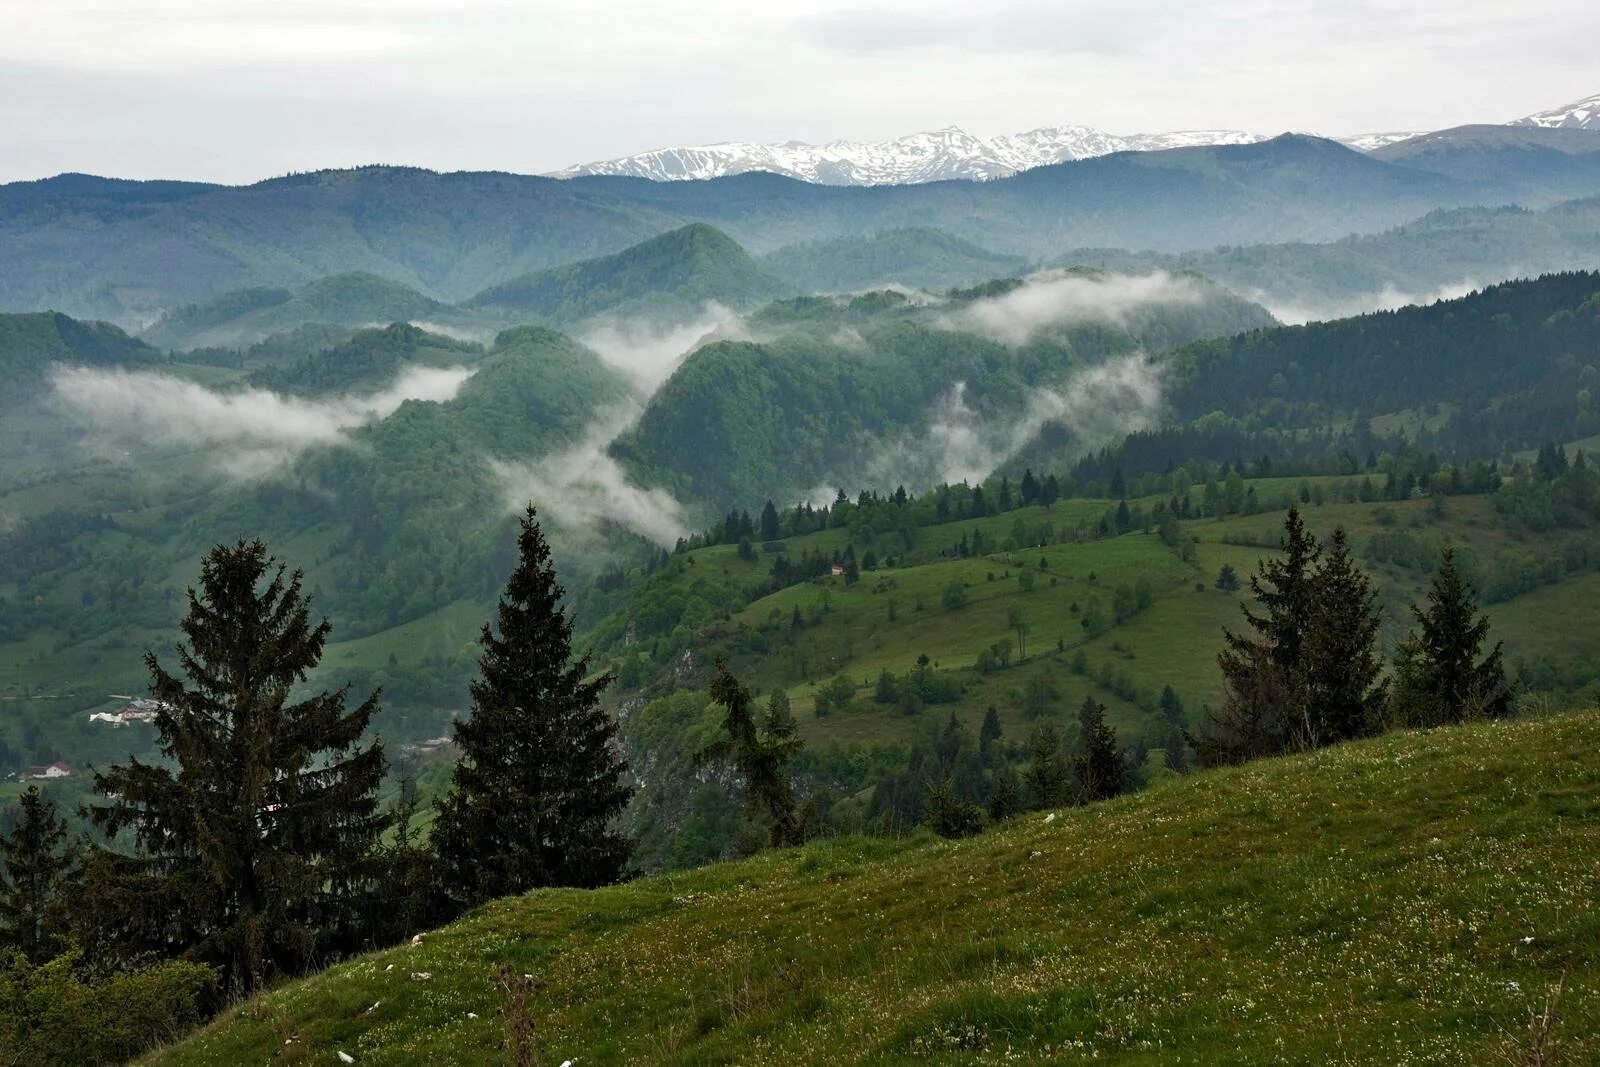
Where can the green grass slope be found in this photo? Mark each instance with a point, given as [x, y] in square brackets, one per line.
[674, 273]
[1403, 900]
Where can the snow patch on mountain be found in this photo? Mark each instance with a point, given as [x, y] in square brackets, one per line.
[1581, 115]
[1371, 142]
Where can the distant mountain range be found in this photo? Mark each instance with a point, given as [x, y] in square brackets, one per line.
[953, 153]
[935, 155]
[132, 252]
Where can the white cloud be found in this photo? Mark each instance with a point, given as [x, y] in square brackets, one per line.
[1296, 312]
[582, 486]
[1097, 405]
[649, 351]
[1050, 298]
[246, 433]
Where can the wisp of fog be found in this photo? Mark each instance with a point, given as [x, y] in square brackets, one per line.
[648, 351]
[246, 432]
[1097, 404]
[1389, 298]
[583, 486]
[1054, 297]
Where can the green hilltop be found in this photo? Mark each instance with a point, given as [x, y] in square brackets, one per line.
[918, 256]
[675, 273]
[1405, 899]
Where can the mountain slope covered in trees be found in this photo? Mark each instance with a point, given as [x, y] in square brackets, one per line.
[917, 256]
[842, 388]
[673, 274]
[1442, 881]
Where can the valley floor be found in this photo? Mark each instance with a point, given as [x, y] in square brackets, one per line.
[1405, 900]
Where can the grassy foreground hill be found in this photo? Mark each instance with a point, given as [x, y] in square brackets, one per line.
[1404, 900]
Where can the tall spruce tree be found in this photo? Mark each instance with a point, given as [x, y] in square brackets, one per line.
[255, 835]
[1101, 766]
[759, 755]
[1285, 589]
[770, 526]
[1438, 676]
[38, 868]
[539, 781]
[1261, 669]
[1342, 671]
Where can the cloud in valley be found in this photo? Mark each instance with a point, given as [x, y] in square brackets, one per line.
[961, 444]
[246, 433]
[649, 351]
[1051, 298]
[583, 486]
[1296, 312]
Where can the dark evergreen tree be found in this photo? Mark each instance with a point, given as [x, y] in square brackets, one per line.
[1286, 590]
[1254, 718]
[1438, 675]
[539, 782]
[1176, 751]
[256, 834]
[39, 868]
[759, 756]
[1005, 794]
[949, 813]
[1343, 686]
[1227, 578]
[1171, 707]
[1029, 487]
[769, 522]
[1101, 765]
[1046, 774]
[989, 735]
[1266, 665]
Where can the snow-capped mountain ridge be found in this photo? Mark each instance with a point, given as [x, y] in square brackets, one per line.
[932, 155]
[953, 153]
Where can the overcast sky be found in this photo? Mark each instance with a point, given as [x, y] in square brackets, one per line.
[236, 90]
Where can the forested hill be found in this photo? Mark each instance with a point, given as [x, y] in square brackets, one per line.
[100, 248]
[918, 256]
[845, 389]
[29, 343]
[673, 274]
[1513, 364]
[1421, 891]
